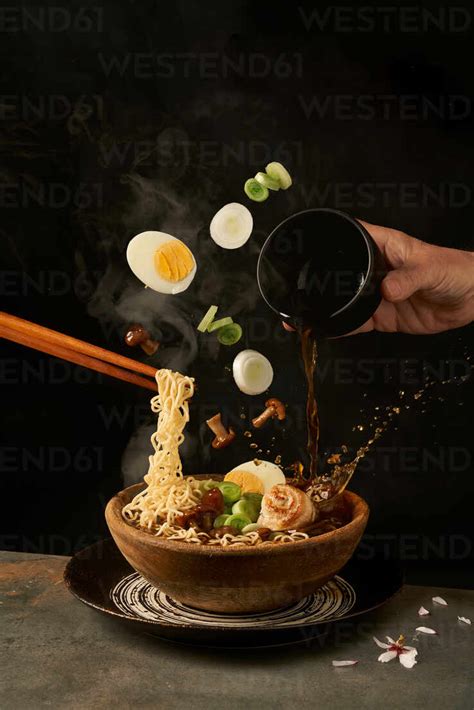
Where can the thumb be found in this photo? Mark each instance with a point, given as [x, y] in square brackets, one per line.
[401, 283]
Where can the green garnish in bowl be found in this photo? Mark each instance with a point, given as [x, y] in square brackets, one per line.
[231, 492]
[220, 521]
[238, 521]
[247, 508]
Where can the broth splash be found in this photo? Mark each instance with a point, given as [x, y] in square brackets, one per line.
[321, 487]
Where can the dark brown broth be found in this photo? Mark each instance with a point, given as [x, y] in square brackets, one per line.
[322, 487]
[310, 356]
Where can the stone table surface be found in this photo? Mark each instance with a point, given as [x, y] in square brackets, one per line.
[59, 653]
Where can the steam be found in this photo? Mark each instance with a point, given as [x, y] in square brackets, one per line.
[159, 186]
[166, 320]
[136, 455]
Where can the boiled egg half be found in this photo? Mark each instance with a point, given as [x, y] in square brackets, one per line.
[161, 261]
[268, 473]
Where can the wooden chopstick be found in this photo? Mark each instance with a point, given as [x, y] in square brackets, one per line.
[30, 329]
[77, 358]
[51, 347]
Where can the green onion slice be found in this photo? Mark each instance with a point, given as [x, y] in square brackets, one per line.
[207, 320]
[208, 484]
[237, 521]
[229, 334]
[255, 190]
[267, 181]
[255, 497]
[219, 324]
[278, 172]
[246, 508]
[221, 520]
[231, 492]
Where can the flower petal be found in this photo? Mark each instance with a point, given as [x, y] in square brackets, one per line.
[390, 640]
[387, 656]
[408, 659]
[440, 600]
[341, 664]
[464, 620]
[425, 630]
[380, 644]
[423, 612]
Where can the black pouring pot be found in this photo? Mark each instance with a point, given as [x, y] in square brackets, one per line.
[320, 269]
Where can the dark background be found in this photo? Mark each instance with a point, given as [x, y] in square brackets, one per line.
[117, 117]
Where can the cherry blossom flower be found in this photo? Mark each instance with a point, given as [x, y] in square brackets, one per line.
[406, 654]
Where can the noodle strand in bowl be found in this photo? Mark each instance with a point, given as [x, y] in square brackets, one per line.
[168, 493]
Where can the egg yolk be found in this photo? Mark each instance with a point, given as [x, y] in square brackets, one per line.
[173, 261]
[248, 482]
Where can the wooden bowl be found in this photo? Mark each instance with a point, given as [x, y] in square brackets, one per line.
[236, 579]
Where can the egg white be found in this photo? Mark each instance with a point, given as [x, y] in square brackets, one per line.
[269, 473]
[231, 226]
[141, 259]
[252, 372]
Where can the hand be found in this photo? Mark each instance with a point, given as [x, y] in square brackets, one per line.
[429, 289]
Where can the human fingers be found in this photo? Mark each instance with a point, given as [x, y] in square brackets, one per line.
[422, 272]
[395, 246]
[379, 234]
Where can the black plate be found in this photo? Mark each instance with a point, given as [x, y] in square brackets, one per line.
[101, 577]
